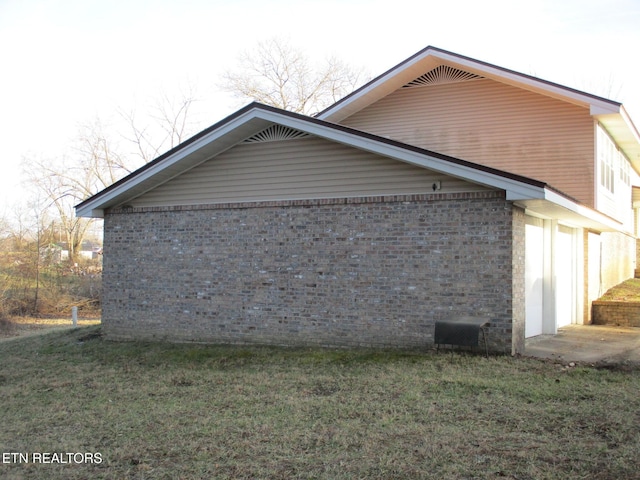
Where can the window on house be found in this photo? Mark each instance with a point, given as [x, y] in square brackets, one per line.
[609, 160]
[606, 168]
[625, 169]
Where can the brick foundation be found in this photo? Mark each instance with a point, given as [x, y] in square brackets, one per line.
[376, 271]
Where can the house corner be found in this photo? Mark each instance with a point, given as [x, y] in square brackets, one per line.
[518, 307]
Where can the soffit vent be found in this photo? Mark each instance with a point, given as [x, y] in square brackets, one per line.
[441, 75]
[275, 133]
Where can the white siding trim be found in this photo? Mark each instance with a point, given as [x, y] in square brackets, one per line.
[255, 119]
[431, 57]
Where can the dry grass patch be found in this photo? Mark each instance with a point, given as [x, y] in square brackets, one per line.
[188, 411]
[627, 291]
[12, 327]
[7, 327]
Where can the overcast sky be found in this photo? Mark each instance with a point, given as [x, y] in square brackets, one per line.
[67, 62]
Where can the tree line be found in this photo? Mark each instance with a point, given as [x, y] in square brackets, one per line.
[49, 258]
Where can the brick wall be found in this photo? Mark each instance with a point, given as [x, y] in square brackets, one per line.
[518, 307]
[623, 314]
[374, 271]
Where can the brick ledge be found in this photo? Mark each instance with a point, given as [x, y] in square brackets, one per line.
[428, 197]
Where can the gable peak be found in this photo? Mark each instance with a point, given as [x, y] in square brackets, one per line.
[440, 75]
[275, 133]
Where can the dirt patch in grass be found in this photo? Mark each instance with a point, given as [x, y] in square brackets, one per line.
[627, 291]
[187, 411]
[16, 327]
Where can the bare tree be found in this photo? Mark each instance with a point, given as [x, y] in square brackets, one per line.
[97, 162]
[93, 165]
[167, 126]
[5, 227]
[63, 185]
[279, 75]
[41, 238]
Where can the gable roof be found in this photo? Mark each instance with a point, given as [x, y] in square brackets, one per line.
[255, 118]
[609, 113]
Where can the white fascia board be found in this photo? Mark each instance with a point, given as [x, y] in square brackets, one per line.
[597, 105]
[632, 138]
[629, 122]
[386, 83]
[515, 189]
[606, 222]
[96, 208]
[197, 153]
[625, 134]
[601, 108]
[87, 211]
[189, 150]
[90, 213]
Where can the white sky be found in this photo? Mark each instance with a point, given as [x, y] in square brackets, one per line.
[66, 62]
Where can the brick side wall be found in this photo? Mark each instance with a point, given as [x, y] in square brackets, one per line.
[518, 282]
[372, 271]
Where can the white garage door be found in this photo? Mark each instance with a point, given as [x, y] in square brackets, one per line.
[565, 275]
[534, 276]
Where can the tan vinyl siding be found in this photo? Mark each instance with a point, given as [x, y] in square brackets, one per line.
[490, 123]
[308, 168]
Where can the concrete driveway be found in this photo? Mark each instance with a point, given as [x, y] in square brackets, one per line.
[588, 344]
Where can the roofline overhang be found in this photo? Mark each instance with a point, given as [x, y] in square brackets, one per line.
[557, 206]
[608, 112]
[255, 117]
[622, 129]
[192, 148]
[436, 56]
[537, 198]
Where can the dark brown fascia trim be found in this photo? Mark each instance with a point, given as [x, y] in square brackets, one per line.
[463, 57]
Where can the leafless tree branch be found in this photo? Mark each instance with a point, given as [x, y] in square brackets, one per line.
[279, 75]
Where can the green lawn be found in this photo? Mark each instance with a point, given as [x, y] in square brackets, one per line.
[156, 411]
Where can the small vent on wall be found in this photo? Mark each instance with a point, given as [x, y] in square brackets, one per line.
[441, 75]
[275, 133]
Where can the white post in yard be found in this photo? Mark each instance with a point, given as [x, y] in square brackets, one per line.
[74, 316]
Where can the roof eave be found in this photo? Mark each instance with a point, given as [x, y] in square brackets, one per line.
[620, 126]
[555, 205]
[430, 57]
[251, 120]
[609, 113]
[194, 151]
